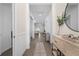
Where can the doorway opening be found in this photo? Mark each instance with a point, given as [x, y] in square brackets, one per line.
[40, 29]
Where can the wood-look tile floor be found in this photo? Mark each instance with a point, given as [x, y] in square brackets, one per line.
[39, 47]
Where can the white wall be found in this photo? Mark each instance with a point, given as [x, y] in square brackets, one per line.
[27, 26]
[31, 26]
[54, 23]
[57, 10]
[22, 24]
[31, 22]
[0, 28]
[5, 26]
[78, 17]
[48, 24]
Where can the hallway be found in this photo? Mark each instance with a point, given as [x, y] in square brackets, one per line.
[39, 47]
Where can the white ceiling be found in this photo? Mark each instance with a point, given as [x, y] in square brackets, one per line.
[40, 7]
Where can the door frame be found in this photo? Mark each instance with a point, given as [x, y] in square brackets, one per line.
[13, 27]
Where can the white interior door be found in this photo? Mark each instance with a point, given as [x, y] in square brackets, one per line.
[20, 38]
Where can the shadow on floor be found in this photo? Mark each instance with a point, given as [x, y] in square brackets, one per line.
[7, 52]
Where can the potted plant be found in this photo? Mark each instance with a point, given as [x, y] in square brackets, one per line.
[61, 20]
